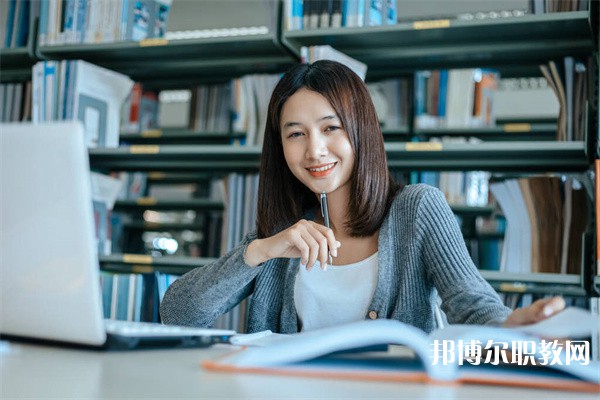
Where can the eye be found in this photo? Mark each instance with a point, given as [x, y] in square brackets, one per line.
[332, 128]
[294, 135]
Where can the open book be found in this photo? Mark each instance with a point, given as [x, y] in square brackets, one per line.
[458, 353]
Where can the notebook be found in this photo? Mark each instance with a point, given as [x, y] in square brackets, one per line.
[49, 269]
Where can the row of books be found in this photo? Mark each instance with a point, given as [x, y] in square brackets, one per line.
[15, 102]
[238, 106]
[211, 105]
[102, 21]
[319, 14]
[391, 98]
[251, 95]
[133, 297]
[569, 82]
[15, 18]
[546, 219]
[140, 110]
[549, 6]
[78, 90]
[315, 14]
[456, 98]
[240, 193]
[460, 188]
[516, 300]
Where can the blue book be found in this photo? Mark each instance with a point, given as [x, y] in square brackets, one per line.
[22, 28]
[443, 90]
[297, 12]
[80, 20]
[122, 296]
[374, 13]
[106, 280]
[69, 20]
[43, 26]
[420, 88]
[391, 13]
[10, 22]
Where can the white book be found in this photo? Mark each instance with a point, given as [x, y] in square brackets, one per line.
[98, 96]
[460, 95]
[327, 52]
[341, 352]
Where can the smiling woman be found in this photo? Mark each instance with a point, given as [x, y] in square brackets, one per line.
[317, 149]
[395, 250]
[328, 96]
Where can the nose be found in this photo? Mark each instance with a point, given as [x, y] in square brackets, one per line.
[317, 146]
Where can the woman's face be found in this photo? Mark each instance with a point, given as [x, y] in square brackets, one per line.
[315, 144]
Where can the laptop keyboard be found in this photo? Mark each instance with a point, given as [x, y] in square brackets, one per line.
[148, 329]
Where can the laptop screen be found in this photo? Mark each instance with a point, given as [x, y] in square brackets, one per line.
[49, 279]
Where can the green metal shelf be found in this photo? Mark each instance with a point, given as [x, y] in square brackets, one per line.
[15, 65]
[137, 263]
[401, 134]
[162, 226]
[512, 132]
[178, 63]
[569, 285]
[393, 49]
[488, 156]
[180, 136]
[536, 283]
[149, 203]
[215, 158]
[174, 178]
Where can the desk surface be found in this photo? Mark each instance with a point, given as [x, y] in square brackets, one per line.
[37, 371]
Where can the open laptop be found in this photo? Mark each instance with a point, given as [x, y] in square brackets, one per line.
[49, 270]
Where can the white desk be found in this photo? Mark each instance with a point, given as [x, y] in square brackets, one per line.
[40, 372]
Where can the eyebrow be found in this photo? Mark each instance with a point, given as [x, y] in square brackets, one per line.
[325, 118]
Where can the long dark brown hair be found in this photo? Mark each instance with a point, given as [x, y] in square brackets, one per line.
[282, 198]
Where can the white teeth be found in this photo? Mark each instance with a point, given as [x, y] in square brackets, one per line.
[325, 168]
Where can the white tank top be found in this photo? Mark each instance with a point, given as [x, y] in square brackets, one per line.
[339, 295]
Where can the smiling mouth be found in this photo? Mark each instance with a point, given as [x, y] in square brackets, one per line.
[321, 170]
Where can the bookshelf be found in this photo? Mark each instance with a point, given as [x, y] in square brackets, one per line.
[501, 132]
[513, 45]
[220, 158]
[180, 136]
[496, 156]
[142, 264]
[149, 203]
[569, 285]
[195, 61]
[16, 63]
[405, 47]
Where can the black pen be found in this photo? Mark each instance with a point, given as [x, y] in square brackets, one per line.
[325, 214]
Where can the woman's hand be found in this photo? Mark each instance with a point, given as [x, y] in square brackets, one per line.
[305, 239]
[537, 311]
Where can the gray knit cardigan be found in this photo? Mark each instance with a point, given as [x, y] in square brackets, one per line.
[421, 253]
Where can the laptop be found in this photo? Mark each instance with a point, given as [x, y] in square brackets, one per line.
[49, 269]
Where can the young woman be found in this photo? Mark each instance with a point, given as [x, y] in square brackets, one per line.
[394, 250]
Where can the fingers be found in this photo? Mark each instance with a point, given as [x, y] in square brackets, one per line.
[539, 310]
[314, 242]
[551, 306]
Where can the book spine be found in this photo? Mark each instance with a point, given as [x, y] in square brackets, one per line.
[336, 14]
[391, 15]
[69, 21]
[10, 21]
